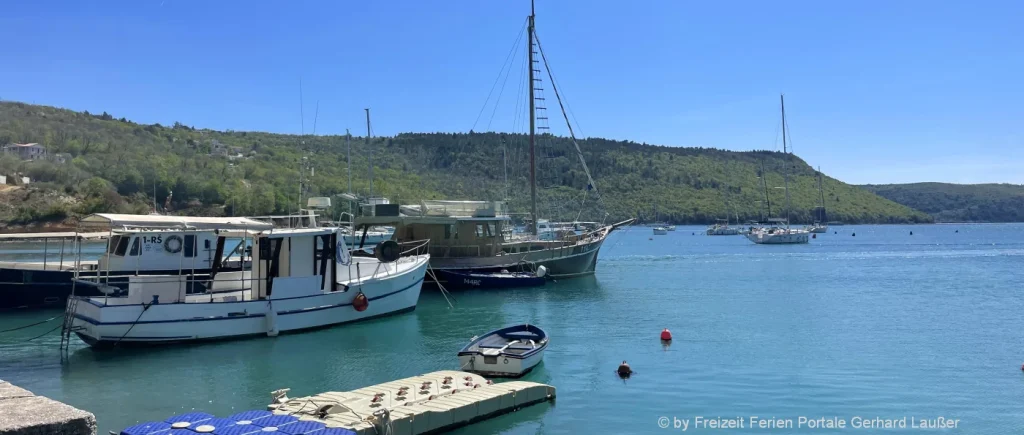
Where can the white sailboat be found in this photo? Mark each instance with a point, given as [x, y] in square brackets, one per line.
[820, 224]
[778, 232]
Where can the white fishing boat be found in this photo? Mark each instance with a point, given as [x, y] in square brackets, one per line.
[660, 231]
[506, 352]
[671, 228]
[298, 279]
[777, 233]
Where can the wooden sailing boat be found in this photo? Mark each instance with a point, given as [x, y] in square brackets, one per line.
[776, 234]
[474, 236]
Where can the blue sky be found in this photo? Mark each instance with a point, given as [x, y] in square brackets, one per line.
[876, 91]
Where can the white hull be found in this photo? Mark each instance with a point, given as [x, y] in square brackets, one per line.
[660, 231]
[390, 291]
[819, 229]
[779, 237]
[502, 366]
[723, 231]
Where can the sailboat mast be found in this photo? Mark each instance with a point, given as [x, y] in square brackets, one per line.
[533, 158]
[348, 158]
[764, 182]
[785, 157]
[369, 151]
[821, 191]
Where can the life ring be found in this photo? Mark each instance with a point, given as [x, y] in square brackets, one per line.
[360, 303]
[175, 247]
[506, 361]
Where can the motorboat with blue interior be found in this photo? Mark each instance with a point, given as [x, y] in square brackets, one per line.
[471, 236]
[297, 279]
[506, 352]
[114, 245]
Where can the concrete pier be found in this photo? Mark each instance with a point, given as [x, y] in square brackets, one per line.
[24, 413]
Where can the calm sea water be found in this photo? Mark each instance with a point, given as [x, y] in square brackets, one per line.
[881, 324]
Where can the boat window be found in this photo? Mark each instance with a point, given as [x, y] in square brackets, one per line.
[112, 244]
[484, 230]
[190, 245]
[122, 246]
[451, 231]
[135, 248]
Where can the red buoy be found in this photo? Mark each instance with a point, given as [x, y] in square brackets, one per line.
[666, 335]
[1022, 368]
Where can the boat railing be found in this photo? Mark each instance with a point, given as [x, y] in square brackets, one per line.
[415, 247]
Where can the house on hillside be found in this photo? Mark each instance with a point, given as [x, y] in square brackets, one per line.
[217, 148]
[26, 151]
[61, 158]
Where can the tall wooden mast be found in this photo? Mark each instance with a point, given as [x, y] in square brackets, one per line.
[533, 158]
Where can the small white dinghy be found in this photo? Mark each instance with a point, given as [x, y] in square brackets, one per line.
[507, 352]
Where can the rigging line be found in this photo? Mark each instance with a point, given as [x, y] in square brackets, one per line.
[568, 124]
[568, 107]
[506, 62]
[501, 92]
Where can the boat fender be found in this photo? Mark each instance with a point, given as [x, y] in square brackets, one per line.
[360, 303]
[272, 330]
[541, 271]
[624, 370]
[173, 244]
[387, 251]
[814, 236]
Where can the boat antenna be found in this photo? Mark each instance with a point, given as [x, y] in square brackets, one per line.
[533, 159]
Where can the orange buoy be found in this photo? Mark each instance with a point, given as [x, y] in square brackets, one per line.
[666, 335]
[360, 303]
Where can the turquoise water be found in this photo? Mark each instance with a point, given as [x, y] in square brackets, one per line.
[881, 324]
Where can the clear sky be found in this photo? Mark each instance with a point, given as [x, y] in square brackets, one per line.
[876, 91]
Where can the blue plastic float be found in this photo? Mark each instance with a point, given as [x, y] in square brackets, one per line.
[243, 423]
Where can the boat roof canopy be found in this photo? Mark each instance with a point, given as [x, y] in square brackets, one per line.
[58, 235]
[373, 221]
[125, 221]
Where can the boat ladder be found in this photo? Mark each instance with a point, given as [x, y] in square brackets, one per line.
[68, 327]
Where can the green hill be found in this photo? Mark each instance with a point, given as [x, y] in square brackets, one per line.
[959, 202]
[116, 165]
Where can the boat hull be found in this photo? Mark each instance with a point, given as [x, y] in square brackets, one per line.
[464, 280]
[103, 325]
[723, 231]
[818, 229]
[566, 262]
[503, 366]
[780, 238]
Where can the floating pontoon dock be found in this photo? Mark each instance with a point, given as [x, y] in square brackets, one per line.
[429, 403]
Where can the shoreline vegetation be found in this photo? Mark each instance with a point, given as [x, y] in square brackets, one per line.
[99, 163]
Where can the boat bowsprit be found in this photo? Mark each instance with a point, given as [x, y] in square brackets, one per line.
[506, 352]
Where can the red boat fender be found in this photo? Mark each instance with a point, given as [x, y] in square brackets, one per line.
[360, 303]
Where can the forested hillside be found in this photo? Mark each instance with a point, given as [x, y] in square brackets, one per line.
[959, 202]
[114, 164]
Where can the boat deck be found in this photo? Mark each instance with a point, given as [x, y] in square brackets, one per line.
[429, 403]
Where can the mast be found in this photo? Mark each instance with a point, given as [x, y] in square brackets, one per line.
[764, 182]
[533, 158]
[785, 157]
[369, 151]
[348, 141]
[821, 191]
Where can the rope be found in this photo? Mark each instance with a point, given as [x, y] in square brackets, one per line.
[45, 333]
[136, 322]
[443, 291]
[29, 325]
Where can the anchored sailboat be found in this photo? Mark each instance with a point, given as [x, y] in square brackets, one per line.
[778, 232]
[476, 236]
[820, 219]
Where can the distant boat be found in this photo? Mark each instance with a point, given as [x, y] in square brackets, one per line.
[467, 279]
[671, 228]
[722, 228]
[660, 231]
[506, 352]
[820, 224]
[776, 233]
